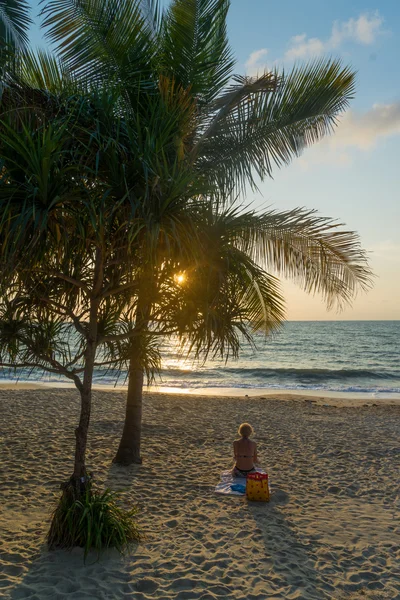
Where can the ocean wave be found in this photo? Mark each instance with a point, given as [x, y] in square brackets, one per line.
[197, 385]
[286, 373]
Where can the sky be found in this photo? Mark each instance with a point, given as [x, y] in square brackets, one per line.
[353, 175]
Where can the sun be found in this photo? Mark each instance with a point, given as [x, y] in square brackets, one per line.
[180, 278]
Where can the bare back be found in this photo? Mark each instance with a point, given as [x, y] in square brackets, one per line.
[245, 453]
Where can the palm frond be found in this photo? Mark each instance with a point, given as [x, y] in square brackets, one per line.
[41, 183]
[243, 89]
[152, 14]
[314, 251]
[195, 50]
[270, 127]
[44, 71]
[14, 22]
[218, 313]
[101, 39]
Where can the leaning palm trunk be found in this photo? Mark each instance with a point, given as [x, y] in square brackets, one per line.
[129, 446]
[79, 477]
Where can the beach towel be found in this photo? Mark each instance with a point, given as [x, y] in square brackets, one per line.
[232, 486]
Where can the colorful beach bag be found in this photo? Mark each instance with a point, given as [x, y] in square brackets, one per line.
[257, 487]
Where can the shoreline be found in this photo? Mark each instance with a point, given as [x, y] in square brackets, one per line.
[317, 397]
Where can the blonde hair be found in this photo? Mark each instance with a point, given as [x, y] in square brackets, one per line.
[245, 430]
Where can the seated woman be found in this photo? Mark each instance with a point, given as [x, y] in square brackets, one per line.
[245, 452]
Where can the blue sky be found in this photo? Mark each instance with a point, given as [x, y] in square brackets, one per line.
[354, 175]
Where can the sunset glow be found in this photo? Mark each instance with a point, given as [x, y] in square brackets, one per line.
[180, 278]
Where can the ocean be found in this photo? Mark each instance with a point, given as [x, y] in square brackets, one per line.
[327, 356]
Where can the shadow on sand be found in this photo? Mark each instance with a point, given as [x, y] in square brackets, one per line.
[292, 560]
[120, 478]
[62, 574]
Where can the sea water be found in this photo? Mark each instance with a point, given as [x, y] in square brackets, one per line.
[327, 356]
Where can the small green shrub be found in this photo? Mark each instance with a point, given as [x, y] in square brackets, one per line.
[94, 521]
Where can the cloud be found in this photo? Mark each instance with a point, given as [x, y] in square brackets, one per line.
[302, 47]
[363, 30]
[360, 131]
[364, 130]
[256, 61]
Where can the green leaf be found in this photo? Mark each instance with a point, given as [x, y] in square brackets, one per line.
[14, 22]
[101, 39]
[271, 124]
[195, 50]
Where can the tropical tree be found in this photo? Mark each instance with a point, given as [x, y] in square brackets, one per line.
[229, 133]
[70, 243]
[66, 290]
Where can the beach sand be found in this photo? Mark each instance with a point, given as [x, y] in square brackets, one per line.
[331, 530]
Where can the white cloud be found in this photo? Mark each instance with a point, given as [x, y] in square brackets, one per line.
[360, 131]
[363, 30]
[256, 61]
[303, 47]
[364, 130]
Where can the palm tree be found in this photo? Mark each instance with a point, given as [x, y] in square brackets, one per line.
[229, 133]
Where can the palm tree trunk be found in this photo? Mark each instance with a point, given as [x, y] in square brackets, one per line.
[81, 434]
[79, 479]
[79, 476]
[79, 482]
[129, 446]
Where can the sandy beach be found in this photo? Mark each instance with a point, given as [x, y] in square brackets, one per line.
[331, 530]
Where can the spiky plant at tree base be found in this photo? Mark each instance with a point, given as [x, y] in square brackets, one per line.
[92, 522]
